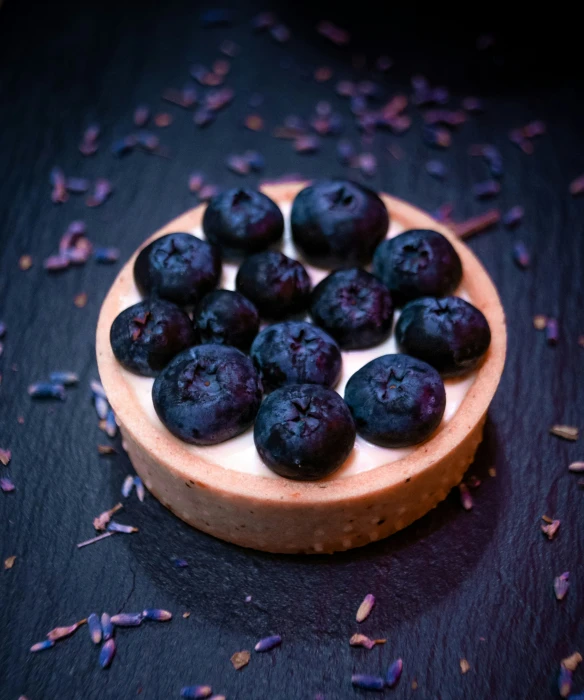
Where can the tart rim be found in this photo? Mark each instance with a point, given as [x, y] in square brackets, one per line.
[168, 451]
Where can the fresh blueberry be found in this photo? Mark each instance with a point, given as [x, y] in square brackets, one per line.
[146, 336]
[207, 394]
[178, 267]
[354, 307]
[296, 352]
[304, 432]
[418, 263]
[227, 318]
[243, 221]
[450, 334]
[396, 400]
[338, 223]
[277, 285]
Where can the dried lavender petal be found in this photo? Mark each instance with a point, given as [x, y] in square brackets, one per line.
[465, 497]
[552, 333]
[366, 682]
[333, 33]
[180, 563]
[577, 467]
[568, 432]
[365, 608]
[436, 136]
[486, 189]
[577, 186]
[107, 627]
[2, 329]
[77, 185]
[217, 99]
[121, 147]
[196, 691]
[46, 390]
[128, 485]
[237, 164]
[280, 33]
[345, 151]
[119, 527]
[62, 632]
[394, 673]
[65, 378]
[307, 144]
[573, 661]
[6, 485]
[107, 653]
[111, 427]
[5, 456]
[513, 216]
[564, 682]
[208, 191]
[437, 169]
[361, 640]
[140, 490]
[255, 160]
[127, 619]
[106, 255]
[521, 255]
[264, 20]
[561, 585]
[101, 407]
[94, 626]
[156, 614]
[203, 116]
[141, 115]
[472, 104]
[268, 643]
[196, 181]
[550, 529]
[41, 646]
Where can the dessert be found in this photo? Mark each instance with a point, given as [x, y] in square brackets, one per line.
[225, 489]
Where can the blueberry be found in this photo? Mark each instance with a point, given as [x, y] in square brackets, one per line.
[304, 432]
[450, 334]
[338, 223]
[178, 267]
[207, 394]
[396, 400]
[418, 263]
[296, 352]
[243, 221]
[146, 336]
[277, 285]
[354, 307]
[227, 318]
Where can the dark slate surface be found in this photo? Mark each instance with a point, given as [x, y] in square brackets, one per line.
[476, 585]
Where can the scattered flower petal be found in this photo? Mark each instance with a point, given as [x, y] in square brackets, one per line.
[365, 608]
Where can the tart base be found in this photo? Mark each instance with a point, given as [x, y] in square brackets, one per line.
[282, 516]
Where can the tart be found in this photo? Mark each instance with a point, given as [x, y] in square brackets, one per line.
[226, 491]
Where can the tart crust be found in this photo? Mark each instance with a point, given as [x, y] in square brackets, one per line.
[278, 515]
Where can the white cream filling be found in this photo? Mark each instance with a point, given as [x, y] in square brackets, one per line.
[240, 453]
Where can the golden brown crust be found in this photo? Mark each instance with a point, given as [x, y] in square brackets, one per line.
[278, 515]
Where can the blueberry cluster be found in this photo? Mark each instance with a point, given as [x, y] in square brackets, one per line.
[213, 365]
